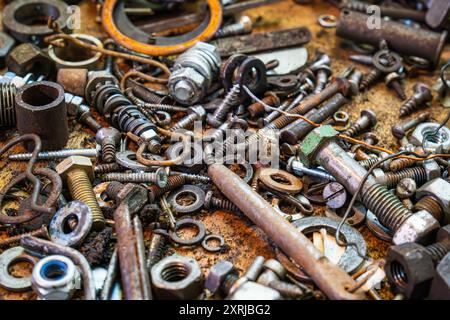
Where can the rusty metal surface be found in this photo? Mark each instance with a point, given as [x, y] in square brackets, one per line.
[243, 239]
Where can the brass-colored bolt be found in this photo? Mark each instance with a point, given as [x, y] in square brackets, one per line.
[78, 172]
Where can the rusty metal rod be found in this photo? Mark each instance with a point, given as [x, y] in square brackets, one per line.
[331, 279]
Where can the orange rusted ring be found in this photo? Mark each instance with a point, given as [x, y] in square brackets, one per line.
[215, 21]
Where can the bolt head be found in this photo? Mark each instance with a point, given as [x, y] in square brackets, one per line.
[420, 227]
[183, 91]
[371, 136]
[313, 141]
[406, 188]
[109, 132]
[75, 162]
[370, 114]
[161, 177]
[423, 89]
[217, 275]
[199, 110]
[247, 23]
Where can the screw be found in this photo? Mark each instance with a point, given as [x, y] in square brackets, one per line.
[391, 179]
[422, 95]
[335, 195]
[355, 81]
[367, 119]
[231, 100]
[52, 155]
[108, 138]
[256, 109]
[80, 187]
[399, 164]
[195, 178]
[361, 58]
[323, 73]
[193, 114]
[159, 177]
[212, 202]
[243, 26]
[367, 163]
[399, 130]
[173, 182]
[392, 81]
[41, 232]
[108, 167]
[370, 78]
[406, 188]
[300, 169]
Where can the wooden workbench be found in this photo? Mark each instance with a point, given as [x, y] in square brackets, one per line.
[245, 241]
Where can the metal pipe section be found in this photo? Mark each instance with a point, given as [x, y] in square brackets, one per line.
[331, 279]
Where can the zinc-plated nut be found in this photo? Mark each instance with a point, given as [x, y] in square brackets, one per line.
[6, 44]
[432, 169]
[440, 140]
[96, 78]
[440, 287]
[408, 267]
[380, 176]
[177, 278]
[27, 58]
[187, 85]
[439, 189]
[419, 227]
[313, 141]
[55, 278]
[73, 103]
[217, 275]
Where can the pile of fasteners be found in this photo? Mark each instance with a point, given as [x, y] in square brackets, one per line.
[194, 114]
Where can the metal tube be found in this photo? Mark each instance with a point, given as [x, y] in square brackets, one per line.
[330, 278]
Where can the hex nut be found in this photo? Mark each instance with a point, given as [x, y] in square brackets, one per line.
[177, 278]
[409, 268]
[443, 234]
[55, 278]
[441, 141]
[75, 162]
[73, 80]
[6, 44]
[73, 103]
[217, 275]
[420, 227]
[439, 189]
[440, 287]
[313, 141]
[28, 58]
[432, 169]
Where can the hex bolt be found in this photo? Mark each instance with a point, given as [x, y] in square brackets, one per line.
[42, 232]
[257, 109]
[406, 188]
[195, 113]
[323, 73]
[213, 202]
[159, 177]
[430, 204]
[109, 139]
[243, 26]
[231, 100]
[53, 155]
[399, 130]
[393, 81]
[421, 96]
[320, 147]
[300, 169]
[79, 173]
[367, 120]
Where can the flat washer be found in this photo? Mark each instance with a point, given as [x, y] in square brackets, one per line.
[7, 259]
[83, 215]
[327, 21]
[294, 185]
[189, 189]
[210, 237]
[188, 222]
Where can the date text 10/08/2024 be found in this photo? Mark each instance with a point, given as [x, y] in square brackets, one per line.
[227, 309]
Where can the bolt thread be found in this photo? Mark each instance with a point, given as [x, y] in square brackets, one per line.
[80, 188]
[370, 78]
[418, 174]
[7, 106]
[228, 283]
[357, 6]
[190, 178]
[223, 204]
[91, 123]
[287, 290]
[408, 107]
[108, 152]
[155, 250]
[153, 146]
[399, 90]
[41, 232]
[185, 122]
[145, 95]
[107, 167]
[50, 155]
[230, 101]
[366, 164]
[399, 164]
[438, 250]
[431, 205]
[134, 177]
[354, 130]
[173, 182]
[385, 206]
[230, 30]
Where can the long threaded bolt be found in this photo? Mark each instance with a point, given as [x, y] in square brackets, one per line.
[243, 26]
[41, 232]
[370, 78]
[52, 155]
[173, 182]
[367, 120]
[390, 179]
[196, 113]
[400, 164]
[109, 139]
[78, 172]
[159, 177]
[392, 80]
[212, 202]
[231, 100]
[422, 95]
[399, 130]
[257, 109]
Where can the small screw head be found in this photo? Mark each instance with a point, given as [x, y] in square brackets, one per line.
[372, 137]
[246, 23]
[161, 177]
[335, 195]
[424, 90]
[406, 188]
[370, 114]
